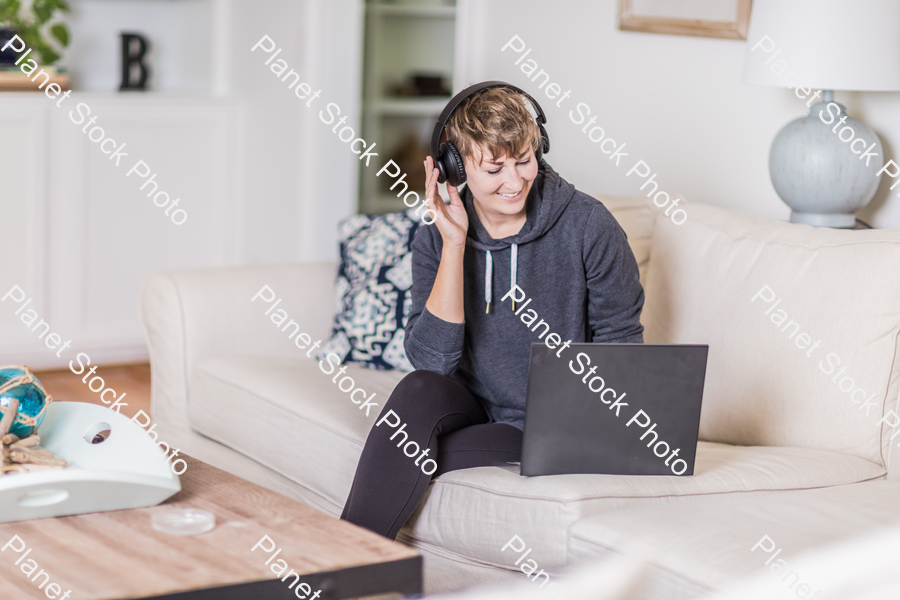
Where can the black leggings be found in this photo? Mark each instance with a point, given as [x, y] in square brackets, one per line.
[441, 415]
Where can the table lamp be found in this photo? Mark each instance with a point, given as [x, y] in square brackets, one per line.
[818, 163]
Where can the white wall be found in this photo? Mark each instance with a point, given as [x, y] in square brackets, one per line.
[676, 101]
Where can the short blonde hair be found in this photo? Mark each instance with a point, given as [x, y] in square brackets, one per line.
[495, 119]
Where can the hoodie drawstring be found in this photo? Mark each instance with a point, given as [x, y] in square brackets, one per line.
[513, 267]
[489, 275]
[488, 278]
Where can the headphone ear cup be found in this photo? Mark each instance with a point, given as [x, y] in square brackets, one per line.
[545, 139]
[452, 165]
[439, 165]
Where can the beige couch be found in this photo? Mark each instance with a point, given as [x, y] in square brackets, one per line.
[779, 438]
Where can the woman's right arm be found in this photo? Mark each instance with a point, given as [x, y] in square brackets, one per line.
[435, 329]
[446, 298]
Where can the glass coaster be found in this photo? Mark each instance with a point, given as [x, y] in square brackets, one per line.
[183, 521]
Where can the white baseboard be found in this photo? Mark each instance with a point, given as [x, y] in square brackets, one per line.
[104, 354]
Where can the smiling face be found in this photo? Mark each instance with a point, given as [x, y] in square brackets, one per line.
[497, 136]
[500, 185]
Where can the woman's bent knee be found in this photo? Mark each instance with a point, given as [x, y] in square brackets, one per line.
[423, 379]
[427, 391]
[420, 384]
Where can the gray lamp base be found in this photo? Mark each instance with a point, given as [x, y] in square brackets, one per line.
[824, 219]
[816, 169]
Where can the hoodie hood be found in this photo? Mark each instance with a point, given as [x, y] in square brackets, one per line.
[547, 199]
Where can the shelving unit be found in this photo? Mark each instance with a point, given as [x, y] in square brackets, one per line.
[402, 38]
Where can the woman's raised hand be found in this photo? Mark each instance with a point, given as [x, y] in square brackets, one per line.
[451, 220]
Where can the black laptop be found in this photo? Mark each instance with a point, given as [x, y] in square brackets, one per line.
[588, 409]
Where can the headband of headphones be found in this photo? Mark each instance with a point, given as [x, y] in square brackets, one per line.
[471, 91]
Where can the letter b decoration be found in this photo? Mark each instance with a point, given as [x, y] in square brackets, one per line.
[134, 71]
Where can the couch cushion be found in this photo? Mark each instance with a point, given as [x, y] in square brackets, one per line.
[475, 512]
[636, 218]
[288, 415]
[372, 288]
[841, 287]
[707, 542]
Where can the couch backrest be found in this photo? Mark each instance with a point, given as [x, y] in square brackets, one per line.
[784, 308]
[636, 218]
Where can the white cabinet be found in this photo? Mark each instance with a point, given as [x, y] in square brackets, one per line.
[81, 236]
[23, 210]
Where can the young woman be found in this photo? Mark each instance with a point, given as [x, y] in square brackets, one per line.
[517, 224]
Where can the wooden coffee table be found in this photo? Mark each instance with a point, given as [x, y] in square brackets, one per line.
[115, 555]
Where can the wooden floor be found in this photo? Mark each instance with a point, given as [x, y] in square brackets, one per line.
[132, 380]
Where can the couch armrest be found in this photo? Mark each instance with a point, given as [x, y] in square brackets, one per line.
[191, 314]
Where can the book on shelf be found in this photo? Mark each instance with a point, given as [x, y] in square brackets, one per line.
[12, 79]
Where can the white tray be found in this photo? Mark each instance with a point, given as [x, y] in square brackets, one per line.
[127, 470]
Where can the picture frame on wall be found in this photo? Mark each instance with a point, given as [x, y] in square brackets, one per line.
[727, 19]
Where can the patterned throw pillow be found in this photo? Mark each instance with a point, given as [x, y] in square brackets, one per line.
[373, 290]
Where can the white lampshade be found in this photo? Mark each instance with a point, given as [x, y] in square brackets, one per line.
[829, 44]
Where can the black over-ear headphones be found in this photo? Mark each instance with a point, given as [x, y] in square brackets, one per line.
[447, 158]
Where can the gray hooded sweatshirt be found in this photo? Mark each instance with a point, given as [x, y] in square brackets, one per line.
[571, 259]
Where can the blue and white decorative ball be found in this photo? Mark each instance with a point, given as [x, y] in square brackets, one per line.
[20, 383]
